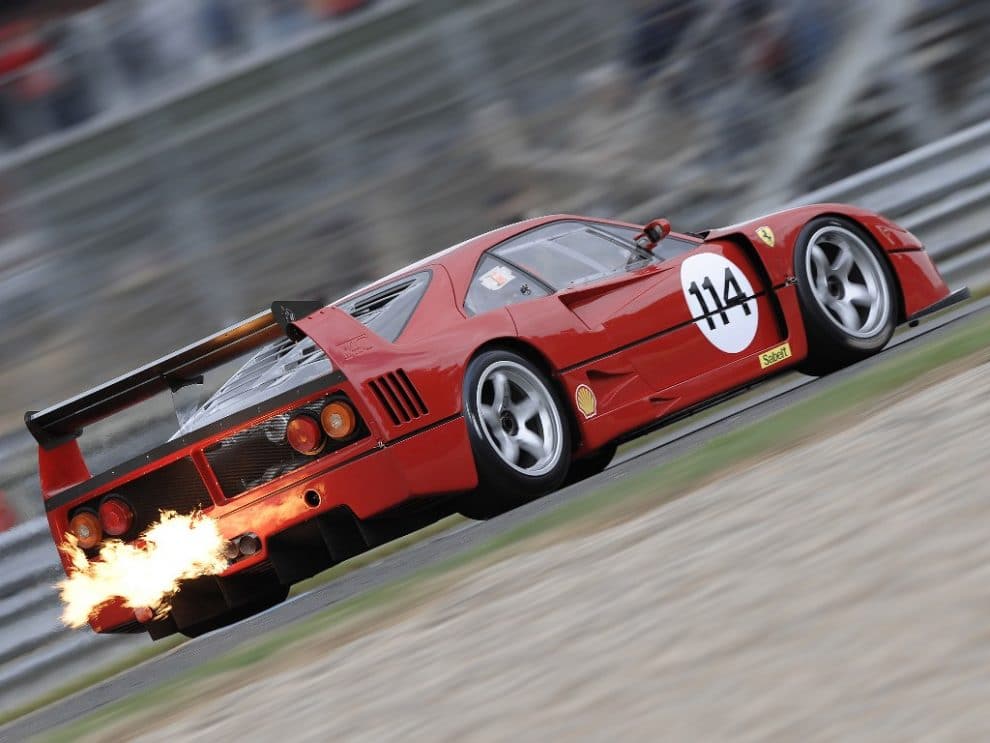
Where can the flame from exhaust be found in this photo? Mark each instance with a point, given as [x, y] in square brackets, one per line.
[146, 573]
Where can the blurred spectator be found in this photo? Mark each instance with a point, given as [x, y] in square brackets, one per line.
[811, 35]
[285, 17]
[795, 38]
[133, 44]
[221, 26]
[658, 26]
[71, 101]
[333, 8]
[21, 83]
[8, 518]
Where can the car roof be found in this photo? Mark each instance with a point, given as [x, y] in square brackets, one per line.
[460, 260]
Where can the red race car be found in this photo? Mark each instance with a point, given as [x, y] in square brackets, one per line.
[475, 380]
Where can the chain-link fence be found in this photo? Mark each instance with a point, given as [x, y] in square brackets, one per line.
[303, 165]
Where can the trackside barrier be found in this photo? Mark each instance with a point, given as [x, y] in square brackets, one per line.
[941, 192]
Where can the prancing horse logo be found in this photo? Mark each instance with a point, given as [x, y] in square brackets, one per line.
[766, 235]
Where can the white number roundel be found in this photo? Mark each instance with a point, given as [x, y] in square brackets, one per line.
[720, 299]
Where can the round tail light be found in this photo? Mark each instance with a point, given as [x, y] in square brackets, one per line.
[338, 420]
[116, 516]
[305, 435]
[86, 528]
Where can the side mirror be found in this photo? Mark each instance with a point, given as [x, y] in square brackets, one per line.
[653, 234]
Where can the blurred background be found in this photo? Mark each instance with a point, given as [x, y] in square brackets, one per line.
[169, 168]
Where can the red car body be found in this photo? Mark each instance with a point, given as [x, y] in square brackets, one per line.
[631, 338]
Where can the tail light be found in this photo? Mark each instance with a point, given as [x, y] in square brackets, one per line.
[116, 516]
[86, 528]
[339, 420]
[305, 435]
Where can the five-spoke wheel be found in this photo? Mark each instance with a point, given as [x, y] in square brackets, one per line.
[847, 294]
[519, 433]
[521, 418]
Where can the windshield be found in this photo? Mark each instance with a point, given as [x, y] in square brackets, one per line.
[574, 257]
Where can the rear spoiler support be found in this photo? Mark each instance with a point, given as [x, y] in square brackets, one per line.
[61, 468]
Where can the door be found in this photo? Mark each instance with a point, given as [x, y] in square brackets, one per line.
[676, 315]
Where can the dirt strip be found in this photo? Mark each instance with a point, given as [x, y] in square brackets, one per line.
[838, 591]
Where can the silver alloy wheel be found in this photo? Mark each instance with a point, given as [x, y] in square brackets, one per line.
[848, 281]
[520, 418]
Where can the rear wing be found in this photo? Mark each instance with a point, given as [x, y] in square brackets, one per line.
[64, 422]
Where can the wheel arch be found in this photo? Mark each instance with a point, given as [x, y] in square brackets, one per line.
[759, 265]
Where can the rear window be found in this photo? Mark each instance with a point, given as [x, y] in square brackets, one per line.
[386, 310]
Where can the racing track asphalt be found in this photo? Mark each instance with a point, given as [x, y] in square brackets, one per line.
[790, 389]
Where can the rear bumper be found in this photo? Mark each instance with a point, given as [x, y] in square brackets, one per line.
[432, 462]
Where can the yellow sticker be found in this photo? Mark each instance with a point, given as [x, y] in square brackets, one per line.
[775, 355]
[586, 401]
[766, 235]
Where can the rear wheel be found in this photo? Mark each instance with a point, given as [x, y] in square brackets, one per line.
[847, 291]
[519, 433]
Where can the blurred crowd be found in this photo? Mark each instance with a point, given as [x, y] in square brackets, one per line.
[782, 42]
[57, 73]
[745, 56]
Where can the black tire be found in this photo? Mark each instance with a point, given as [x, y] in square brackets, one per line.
[266, 601]
[590, 466]
[830, 313]
[501, 485]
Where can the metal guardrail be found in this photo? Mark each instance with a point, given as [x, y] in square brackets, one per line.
[941, 192]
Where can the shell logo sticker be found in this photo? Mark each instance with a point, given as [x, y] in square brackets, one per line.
[586, 401]
[766, 235]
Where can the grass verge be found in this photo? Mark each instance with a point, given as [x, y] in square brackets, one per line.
[969, 345]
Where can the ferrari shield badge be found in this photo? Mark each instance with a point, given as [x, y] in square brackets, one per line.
[586, 401]
[766, 235]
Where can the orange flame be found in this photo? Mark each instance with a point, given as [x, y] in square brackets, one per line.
[146, 573]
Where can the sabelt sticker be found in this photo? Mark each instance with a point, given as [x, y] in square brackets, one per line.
[721, 301]
[586, 401]
[766, 235]
[496, 278]
[775, 356]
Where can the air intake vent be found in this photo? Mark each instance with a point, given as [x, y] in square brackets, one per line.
[399, 397]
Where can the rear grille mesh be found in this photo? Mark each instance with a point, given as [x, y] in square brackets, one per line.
[398, 396]
[257, 455]
[174, 487]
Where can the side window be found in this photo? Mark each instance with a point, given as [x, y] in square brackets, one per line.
[496, 284]
[669, 247]
[576, 256]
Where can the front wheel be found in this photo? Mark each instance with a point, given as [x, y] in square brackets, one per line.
[847, 292]
[519, 433]
[591, 465]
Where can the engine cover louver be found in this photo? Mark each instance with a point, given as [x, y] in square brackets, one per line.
[398, 396]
